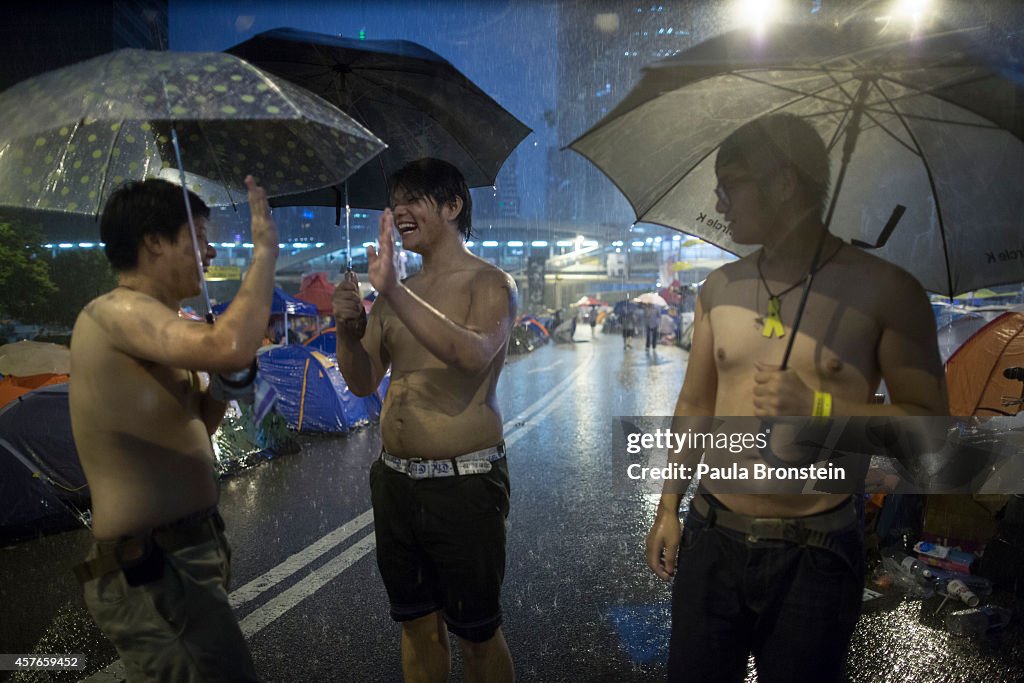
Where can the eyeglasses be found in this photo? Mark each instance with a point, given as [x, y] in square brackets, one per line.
[722, 191]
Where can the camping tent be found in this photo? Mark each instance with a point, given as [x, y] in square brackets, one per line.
[326, 342]
[311, 393]
[41, 482]
[317, 290]
[34, 358]
[975, 373]
[282, 304]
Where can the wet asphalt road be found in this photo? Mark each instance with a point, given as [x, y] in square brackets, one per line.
[579, 603]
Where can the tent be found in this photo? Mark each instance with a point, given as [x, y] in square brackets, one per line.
[34, 358]
[976, 372]
[282, 304]
[13, 386]
[311, 393]
[41, 482]
[326, 342]
[317, 290]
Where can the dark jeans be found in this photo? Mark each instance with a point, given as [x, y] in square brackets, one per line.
[652, 337]
[794, 607]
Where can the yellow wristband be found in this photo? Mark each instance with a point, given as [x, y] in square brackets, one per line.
[822, 404]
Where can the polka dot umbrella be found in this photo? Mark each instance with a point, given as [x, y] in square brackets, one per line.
[72, 135]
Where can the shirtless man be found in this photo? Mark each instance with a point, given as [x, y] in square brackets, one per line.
[741, 588]
[440, 488]
[156, 578]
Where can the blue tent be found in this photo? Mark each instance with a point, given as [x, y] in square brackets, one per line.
[311, 393]
[326, 342]
[42, 485]
[282, 304]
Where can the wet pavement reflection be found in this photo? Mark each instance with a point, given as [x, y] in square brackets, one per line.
[580, 604]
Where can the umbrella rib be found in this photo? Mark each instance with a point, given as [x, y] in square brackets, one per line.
[216, 165]
[106, 166]
[271, 83]
[701, 160]
[935, 194]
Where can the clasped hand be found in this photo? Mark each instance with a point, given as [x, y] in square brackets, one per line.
[780, 392]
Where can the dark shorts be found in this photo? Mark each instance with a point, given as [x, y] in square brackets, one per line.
[441, 546]
[794, 607]
[169, 618]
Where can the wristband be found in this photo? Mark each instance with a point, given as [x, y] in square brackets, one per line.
[822, 404]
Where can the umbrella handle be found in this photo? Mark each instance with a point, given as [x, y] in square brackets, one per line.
[852, 132]
[192, 226]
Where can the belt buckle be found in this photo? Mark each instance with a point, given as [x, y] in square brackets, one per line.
[767, 527]
[417, 469]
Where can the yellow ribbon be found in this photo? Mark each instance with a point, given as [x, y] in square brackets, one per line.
[773, 323]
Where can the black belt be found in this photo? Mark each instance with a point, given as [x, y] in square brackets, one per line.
[129, 551]
[811, 530]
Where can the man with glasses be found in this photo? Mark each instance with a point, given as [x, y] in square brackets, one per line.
[780, 575]
[440, 489]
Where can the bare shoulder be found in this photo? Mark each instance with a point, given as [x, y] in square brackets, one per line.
[104, 311]
[882, 277]
[488, 275]
[713, 289]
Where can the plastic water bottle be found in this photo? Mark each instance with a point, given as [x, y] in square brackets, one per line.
[907, 563]
[977, 621]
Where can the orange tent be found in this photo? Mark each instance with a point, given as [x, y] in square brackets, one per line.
[977, 385]
[317, 290]
[12, 387]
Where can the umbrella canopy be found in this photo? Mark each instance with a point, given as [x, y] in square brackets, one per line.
[651, 298]
[941, 132]
[317, 290]
[72, 135]
[409, 96]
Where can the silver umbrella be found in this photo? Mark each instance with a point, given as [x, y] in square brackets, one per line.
[923, 123]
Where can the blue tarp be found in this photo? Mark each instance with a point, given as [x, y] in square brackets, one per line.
[311, 393]
[281, 304]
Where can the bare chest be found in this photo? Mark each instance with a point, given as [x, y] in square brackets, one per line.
[834, 345]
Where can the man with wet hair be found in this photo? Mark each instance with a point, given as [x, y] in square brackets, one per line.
[440, 488]
[780, 575]
[156, 577]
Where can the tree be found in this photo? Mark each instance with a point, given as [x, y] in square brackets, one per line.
[80, 276]
[25, 284]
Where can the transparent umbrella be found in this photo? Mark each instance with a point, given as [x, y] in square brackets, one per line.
[72, 135]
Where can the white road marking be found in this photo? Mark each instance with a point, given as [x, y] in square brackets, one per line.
[259, 585]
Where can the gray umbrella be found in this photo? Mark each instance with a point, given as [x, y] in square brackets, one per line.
[927, 125]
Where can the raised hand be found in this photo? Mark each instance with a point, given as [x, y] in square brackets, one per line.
[264, 229]
[383, 270]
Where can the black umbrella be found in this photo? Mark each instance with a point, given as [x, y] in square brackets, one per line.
[410, 97]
